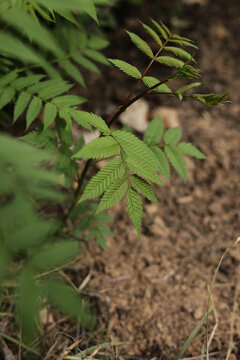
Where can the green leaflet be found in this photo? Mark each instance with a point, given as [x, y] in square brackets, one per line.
[103, 179]
[77, 116]
[164, 167]
[44, 85]
[49, 114]
[42, 138]
[14, 48]
[134, 205]
[97, 42]
[88, 64]
[183, 43]
[153, 34]
[135, 148]
[8, 78]
[55, 89]
[68, 100]
[143, 187]
[179, 52]
[54, 255]
[211, 99]
[114, 194]
[99, 148]
[143, 170]
[100, 231]
[33, 110]
[73, 71]
[25, 23]
[190, 149]
[172, 135]
[27, 304]
[154, 131]
[187, 87]
[170, 61]
[72, 5]
[140, 44]
[126, 68]
[177, 160]
[67, 300]
[64, 164]
[160, 29]
[93, 120]
[6, 97]
[96, 56]
[151, 81]
[23, 82]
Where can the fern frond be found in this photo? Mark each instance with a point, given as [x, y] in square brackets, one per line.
[126, 68]
[134, 205]
[140, 44]
[114, 194]
[143, 187]
[33, 110]
[99, 148]
[105, 177]
[170, 61]
[134, 147]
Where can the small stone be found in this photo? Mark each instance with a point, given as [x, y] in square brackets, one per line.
[136, 116]
[169, 116]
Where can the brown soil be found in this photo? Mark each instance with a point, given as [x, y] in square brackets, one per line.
[153, 291]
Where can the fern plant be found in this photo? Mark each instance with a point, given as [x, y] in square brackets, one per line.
[43, 98]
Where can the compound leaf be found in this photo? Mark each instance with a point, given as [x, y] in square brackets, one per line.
[134, 205]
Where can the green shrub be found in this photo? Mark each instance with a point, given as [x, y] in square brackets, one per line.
[42, 42]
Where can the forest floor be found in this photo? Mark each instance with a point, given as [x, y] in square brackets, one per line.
[152, 291]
